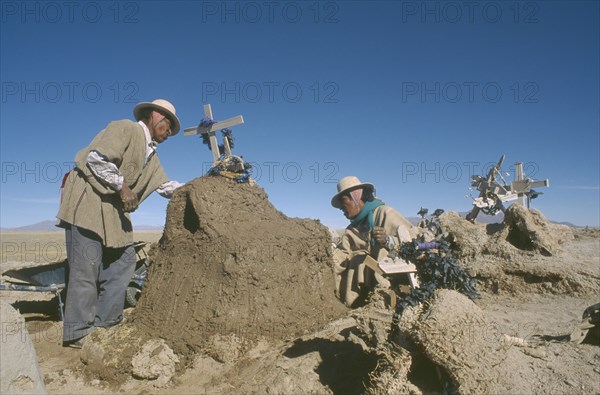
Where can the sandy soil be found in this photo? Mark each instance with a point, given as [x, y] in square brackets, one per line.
[232, 264]
[551, 368]
[22, 249]
[316, 363]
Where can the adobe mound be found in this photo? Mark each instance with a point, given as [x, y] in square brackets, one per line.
[524, 254]
[230, 263]
[522, 231]
[453, 334]
[530, 230]
[446, 341]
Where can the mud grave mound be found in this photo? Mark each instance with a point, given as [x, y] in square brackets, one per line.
[230, 264]
[441, 343]
[523, 254]
[522, 231]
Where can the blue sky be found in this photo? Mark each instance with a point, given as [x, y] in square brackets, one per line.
[411, 96]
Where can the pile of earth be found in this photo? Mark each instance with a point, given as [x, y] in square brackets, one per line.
[450, 338]
[244, 296]
[230, 264]
[525, 253]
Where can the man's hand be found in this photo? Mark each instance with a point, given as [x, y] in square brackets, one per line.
[129, 199]
[378, 234]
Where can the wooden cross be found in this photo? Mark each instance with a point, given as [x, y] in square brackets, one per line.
[210, 130]
[522, 186]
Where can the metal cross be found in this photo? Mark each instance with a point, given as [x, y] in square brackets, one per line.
[522, 186]
[210, 130]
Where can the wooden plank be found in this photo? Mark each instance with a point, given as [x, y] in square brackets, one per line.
[190, 131]
[372, 263]
[389, 266]
[208, 111]
[523, 186]
[211, 132]
[414, 281]
[214, 146]
[396, 266]
[519, 178]
[227, 147]
[227, 123]
[215, 126]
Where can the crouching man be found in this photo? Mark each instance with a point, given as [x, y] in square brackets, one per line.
[112, 176]
[373, 231]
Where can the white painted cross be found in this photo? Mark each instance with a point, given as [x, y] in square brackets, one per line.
[522, 186]
[210, 130]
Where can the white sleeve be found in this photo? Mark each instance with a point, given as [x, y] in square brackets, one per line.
[105, 170]
[166, 189]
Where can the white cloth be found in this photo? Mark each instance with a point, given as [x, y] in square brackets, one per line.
[150, 144]
[105, 170]
[109, 173]
[166, 190]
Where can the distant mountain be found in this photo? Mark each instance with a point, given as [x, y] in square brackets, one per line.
[481, 218]
[44, 226]
[493, 219]
[148, 227]
[48, 226]
[568, 224]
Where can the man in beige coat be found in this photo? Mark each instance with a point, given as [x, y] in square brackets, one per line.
[112, 176]
[374, 230]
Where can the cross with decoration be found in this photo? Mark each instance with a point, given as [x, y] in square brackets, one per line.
[522, 186]
[208, 128]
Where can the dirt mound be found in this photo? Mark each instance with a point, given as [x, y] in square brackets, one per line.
[108, 353]
[530, 230]
[468, 239]
[453, 335]
[230, 263]
[522, 230]
[523, 254]
[353, 354]
[444, 345]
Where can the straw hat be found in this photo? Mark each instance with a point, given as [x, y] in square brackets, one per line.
[347, 184]
[160, 105]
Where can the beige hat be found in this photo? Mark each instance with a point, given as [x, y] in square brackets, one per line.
[347, 184]
[160, 105]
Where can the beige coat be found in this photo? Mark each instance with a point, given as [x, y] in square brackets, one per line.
[351, 274]
[89, 204]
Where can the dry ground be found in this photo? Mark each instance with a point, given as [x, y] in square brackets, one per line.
[34, 248]
[550, 368]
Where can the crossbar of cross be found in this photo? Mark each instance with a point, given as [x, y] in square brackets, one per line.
[522, 186]
[211, 129]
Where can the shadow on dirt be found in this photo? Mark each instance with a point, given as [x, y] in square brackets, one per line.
[46, 310]
[345, 368]
[427, 376]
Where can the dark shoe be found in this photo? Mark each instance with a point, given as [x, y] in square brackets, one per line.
[77, 343]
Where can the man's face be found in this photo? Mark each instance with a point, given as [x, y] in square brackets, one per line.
[160, 127]
[349, 207]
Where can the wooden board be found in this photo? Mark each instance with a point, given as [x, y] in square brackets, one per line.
[396, 266]
[238, 120]
[389, 266]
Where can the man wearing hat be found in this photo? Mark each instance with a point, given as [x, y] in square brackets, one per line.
[373, 230]
[112, 176]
